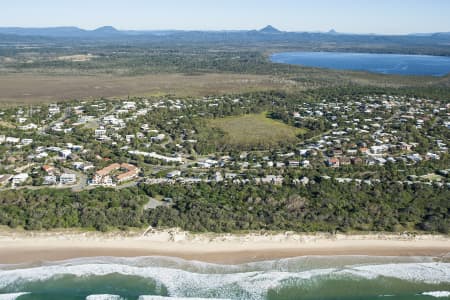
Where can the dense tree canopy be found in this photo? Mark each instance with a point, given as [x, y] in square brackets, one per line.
[328, 206]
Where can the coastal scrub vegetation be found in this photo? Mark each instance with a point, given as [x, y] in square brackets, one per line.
[325, 206]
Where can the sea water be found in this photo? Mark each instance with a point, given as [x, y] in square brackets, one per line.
[311, 277]
[377, 63]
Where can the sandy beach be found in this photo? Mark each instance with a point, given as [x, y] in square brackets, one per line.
[21, 246]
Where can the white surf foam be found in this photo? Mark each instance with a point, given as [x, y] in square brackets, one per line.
[175, 298]
[437, 294]
[423, 272]
[103, 297]
[244, 285]
[179, 283]
[295, 264]
[11, 296]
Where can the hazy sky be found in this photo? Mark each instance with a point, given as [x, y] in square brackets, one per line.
[358, 16]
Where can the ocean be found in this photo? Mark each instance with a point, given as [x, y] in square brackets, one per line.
[309, 277]
[399, 64]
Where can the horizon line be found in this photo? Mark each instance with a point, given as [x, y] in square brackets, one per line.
[217, 30]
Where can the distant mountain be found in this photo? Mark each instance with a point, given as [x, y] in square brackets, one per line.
[268, 34]
[421, 34]
[332, 31]
[105, 31]
[49, 31]
[442, 34]
[270, 30]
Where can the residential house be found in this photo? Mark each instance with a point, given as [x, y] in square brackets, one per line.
[19, 178]
[280, 164]
[344, 161]
[294, 163]
[103, 176]
[177, 159]
[305, 163]
[304, 180]
[364, 150]
[53, 109]
[100, 133]
[48, 169]
[378, 149]
[270, 179]
[356, 160]
[131, 173]
[431, 155]
[352, 151]
[204, 165]
[159, 138]
[68, 178]
[49, 180]
[12, 140]
[414, 157]
[218, 177]
[65, 153]
[333, 162]
[173, 174]
[26, 142]
[405, 147]
[337, 152]
[108, 169]
[30, 126]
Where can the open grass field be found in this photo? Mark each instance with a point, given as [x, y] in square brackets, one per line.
[255, 131]
[48, 85]
[34, 88]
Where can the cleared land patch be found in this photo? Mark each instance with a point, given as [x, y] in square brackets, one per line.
[77, 57]
[255, 131]
[33, 88]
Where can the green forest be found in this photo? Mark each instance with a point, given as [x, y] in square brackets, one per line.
[326, 206]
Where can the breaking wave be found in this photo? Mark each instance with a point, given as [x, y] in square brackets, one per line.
[11, 296]
[437, 294]
[183, 278]
[174, 298]
[104, 297]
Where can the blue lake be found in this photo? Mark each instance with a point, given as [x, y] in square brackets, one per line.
[377, 63]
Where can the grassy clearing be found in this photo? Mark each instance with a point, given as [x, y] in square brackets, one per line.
[255, 131]
[6, 125]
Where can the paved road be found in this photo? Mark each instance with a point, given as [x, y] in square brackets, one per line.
[81, 180]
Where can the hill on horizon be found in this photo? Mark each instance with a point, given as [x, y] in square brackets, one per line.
[269, 29]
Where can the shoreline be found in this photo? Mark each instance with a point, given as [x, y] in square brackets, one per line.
[30, 247]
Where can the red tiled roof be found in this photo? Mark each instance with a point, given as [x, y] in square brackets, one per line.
[108, 169]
